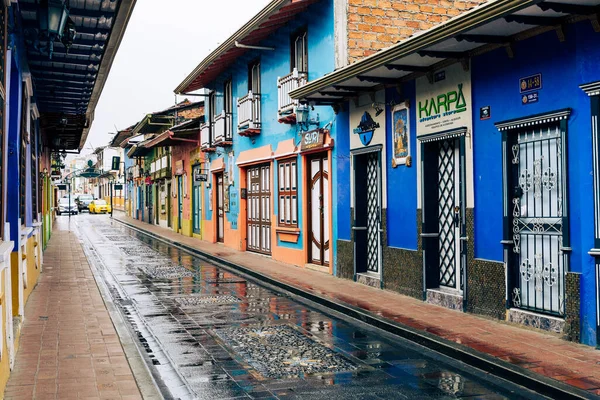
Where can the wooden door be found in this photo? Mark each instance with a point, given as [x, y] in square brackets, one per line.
[318, 200]
[220, 212]
[259, 209]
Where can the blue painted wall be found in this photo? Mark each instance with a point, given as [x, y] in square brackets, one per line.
[496, 83]
[318, 21]
[343, 174]
[13, 180]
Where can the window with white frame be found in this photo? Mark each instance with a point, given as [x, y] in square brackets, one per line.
[288, 192]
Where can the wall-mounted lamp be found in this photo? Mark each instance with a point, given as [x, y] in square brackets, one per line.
[52, 19]
[378, 109]
[302, 112]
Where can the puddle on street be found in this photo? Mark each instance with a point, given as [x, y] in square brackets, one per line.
[207, 333]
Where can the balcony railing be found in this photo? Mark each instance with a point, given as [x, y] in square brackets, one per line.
[161, 168]
[249, 114]
[223, 129]
[286, 105]
[206, 140]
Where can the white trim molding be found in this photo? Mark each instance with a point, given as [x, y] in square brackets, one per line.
[434, 137]
[591, 89]
[533, 120]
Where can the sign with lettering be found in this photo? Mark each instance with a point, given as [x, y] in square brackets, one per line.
[446, 104]
[118, 186]
[529, 83]
[312, 140]
[530, 98]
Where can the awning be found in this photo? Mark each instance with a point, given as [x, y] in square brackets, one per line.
[121, 137]
[495, 24]
[274, 16]
[68, 86]
[184, 133]
[160, 121]
[139, 149]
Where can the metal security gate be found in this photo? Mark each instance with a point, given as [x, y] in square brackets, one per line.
[539, 222]
[367, 212]
[259, 209]
[449, 210]
[319, 210]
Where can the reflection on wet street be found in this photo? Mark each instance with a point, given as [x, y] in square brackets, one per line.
[208, 333]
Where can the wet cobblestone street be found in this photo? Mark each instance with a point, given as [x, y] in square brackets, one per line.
[208, 333]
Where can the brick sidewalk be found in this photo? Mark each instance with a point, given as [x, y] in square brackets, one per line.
[69, 347]
[539, 352]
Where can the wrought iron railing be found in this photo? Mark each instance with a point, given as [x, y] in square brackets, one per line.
[223, 128]
[249, 114]
[287, 105]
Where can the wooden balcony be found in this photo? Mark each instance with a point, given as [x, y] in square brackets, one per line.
[249, 114]
[286, 109]
[161, 168]
[206, 140]
[223, 129]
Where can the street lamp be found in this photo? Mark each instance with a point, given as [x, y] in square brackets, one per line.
[52, 18]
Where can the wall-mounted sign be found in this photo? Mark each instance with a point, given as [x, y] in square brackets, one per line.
[366, 128]
[118, 186]
[444, 105]
[529, 83]
[179, 167]
[530, 98]
[199, 176]
[485, 113]
[312, 140]
[61, 187]
[439, 76]
[400, 119]
[148, 180]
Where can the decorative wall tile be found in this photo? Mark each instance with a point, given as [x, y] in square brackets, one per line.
[572, 330]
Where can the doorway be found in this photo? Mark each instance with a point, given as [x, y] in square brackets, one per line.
[220, 210]
[318, 208]
[179, 202]
[444, 214]
[168, 205]
[259, 209]
[196, 208]
[367, 212]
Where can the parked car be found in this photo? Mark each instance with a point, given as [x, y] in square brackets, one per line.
[67, 206]
[83, 201]
[99, 206]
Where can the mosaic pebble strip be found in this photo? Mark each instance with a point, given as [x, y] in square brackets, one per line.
[282, 351]
[170, 272]
[199, 300]
[118, 238]
[138, 251]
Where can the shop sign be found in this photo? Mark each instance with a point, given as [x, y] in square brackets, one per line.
[312, 140]
[530, 98]
[529, 83]
[446, 104]
[118, 186]
[366, 128]
[485, 113]
[148, 180]
[179, 167]
[199, 176]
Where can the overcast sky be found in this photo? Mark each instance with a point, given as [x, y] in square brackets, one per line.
[163, 43]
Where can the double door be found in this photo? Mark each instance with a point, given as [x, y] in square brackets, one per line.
[318, 200]
[444, 209]
[259, 209]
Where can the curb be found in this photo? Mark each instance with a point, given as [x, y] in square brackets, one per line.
[518, 375]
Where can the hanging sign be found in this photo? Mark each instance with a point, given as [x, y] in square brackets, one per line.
[179, 167]
[529, 83]
[199, 177]
[446, 104]
[485, 113]
[118, 186]
[312, 140]
[366, 128]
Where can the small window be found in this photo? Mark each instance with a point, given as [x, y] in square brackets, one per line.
[299, 52]
[228, 97]
[212, 105]
[254, 77]
[288, 193]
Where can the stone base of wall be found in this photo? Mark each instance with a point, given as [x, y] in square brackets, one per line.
[538, 321]
[572, 329]
[369, 280]
[345, 259]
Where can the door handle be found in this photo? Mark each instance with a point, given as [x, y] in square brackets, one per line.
[359, 228]
[464, 238]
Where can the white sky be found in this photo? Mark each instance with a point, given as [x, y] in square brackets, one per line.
[163, 43]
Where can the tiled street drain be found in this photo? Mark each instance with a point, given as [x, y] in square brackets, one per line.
[168, 272]
[199, 300]
[282, 351]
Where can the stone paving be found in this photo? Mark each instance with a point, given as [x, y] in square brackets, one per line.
[537, 351]
[212, 334]
[69, 348]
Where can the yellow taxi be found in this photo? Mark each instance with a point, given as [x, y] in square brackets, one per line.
[99, 206]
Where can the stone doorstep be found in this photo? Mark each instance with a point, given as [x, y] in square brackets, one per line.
[535, 320]
[368, 279]
[445, 298]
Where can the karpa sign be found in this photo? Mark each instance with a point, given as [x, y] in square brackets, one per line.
[446, 104]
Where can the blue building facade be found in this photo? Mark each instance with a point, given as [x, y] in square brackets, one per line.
[478, 153]
[269, 185]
